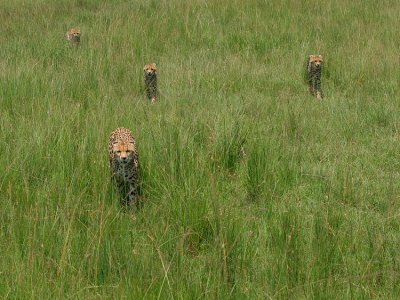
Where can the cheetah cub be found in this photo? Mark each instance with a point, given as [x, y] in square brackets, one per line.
[124, 164]
[314, 66]
[74, 36]
[150, 81]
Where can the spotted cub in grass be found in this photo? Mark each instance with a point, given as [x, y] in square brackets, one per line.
[150, 81]
[73, 36]
[314, 66]
[124, 164]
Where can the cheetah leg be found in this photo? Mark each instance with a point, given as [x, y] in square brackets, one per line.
[123, 192]
[133, 195]
[314, 88]
[317, 87]
[310, 84]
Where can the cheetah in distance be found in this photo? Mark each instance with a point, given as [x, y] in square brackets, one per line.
[150, 81]
[314, 66]
[74, 36]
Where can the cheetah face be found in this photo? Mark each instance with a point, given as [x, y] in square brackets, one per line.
[150, 70]
[76, 35]
[123, 151]
[316, 60]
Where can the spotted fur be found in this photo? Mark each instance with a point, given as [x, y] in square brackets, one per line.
[150, 81]
[314, 66]
[124, 164]
[73, 35]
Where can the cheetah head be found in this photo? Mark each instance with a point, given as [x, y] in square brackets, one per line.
[316, 60]
[150, 69]
[76, 34]
[123, 151]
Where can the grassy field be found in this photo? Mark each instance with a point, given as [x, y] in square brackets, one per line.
[253, 189]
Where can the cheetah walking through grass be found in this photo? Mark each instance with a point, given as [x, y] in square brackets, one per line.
[314, 66]
[150, 81]
[124, 164]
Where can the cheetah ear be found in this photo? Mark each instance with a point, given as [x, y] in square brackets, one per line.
[320, 57]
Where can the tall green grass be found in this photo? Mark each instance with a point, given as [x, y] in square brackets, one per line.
[252, 188]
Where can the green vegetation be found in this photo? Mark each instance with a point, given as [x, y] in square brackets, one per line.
[253, 189]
